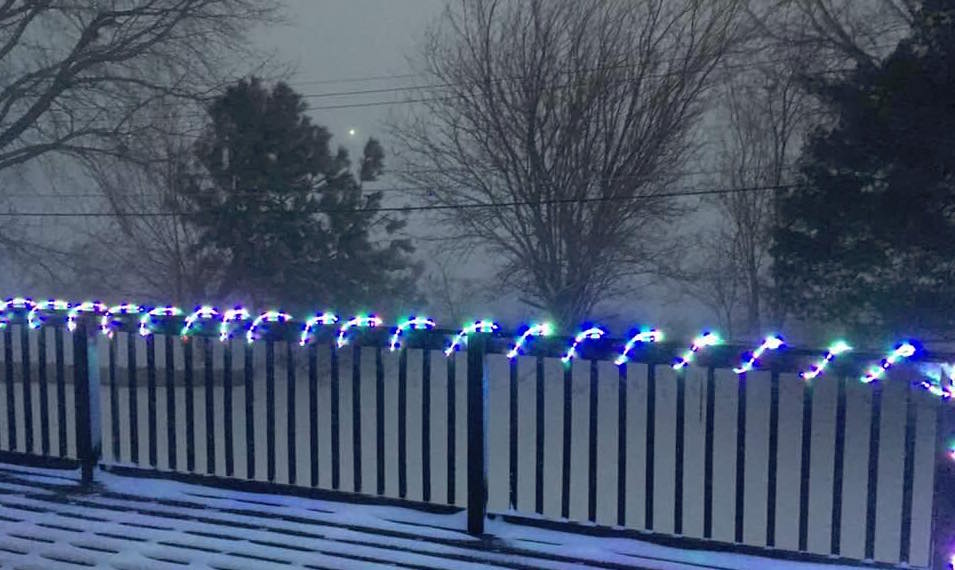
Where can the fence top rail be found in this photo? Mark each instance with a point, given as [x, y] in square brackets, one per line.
[789, 359]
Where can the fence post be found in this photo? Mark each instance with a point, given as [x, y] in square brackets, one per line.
[477, 434]
[86, 387]
[943, 501]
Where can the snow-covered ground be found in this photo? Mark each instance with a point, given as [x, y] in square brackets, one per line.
[47, 521]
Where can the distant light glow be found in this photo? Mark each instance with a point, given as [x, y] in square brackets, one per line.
[584, 335]
[35, 319]
[483, 326]
[359, 321]
[313, 321]
[14, 303]
[704, 340]
[204, 312]
[231, 316]
[902, 351]
[771, 342]
[641, 337]
[837, 348]
[108, 321]
[412, 322]
[146, 321]
[541, 329]
[84, 307]
[266, 317]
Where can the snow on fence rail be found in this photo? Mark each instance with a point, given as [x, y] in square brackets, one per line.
[791, 452]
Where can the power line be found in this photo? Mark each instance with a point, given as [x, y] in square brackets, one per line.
[411, 75]
[436, 207]
[386, 189]
[449, 85]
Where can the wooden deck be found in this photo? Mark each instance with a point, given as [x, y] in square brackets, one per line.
[47, 520]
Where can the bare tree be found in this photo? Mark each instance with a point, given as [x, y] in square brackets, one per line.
[161, 255]
[78, 76]
[711, 276]
[860, 32]
[573, 116]
[768, 111]
[83, 82]
[768, 108]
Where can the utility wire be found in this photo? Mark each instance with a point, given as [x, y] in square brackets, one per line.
[449, 85]
[386, 189]
[436, 207]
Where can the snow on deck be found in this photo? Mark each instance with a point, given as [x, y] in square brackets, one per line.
[47, 520]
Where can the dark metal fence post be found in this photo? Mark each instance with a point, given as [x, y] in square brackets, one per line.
[477, 434]
[86, 385]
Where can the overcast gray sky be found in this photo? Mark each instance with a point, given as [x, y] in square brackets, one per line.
[334, 45]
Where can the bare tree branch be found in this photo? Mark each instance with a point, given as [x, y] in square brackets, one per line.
[74, 70]
[550, 101]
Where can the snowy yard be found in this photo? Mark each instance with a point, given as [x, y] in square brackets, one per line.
[47, 520]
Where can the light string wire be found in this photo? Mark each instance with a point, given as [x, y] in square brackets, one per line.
[412, 322]
[146, 321]
[482, 326]
[109, 319]
[35, 319]
[700, 342]
[358, 321]
[14, 303]
[772, 342]
[325, 318]
[591, 333]
[902, 351]
[266, 317]
[641, 337]
[540, 329]
[202, 312]
[234, 315]
[817, 369]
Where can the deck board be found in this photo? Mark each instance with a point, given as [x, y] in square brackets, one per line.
[47, 519]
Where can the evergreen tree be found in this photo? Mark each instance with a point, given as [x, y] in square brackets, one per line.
[287, 215]
[867, 244]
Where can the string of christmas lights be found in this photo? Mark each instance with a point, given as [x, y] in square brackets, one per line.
[14, 303]
[902, 351]
[204, 312]
[146, 321]
[359, 321]
[235, 315]
[313, 321]
[541, 329]
[412, 322]
[936, 383]
[769, 343]
[108, 320]
[835, 349]
[84, 307]
[483, 326]
[704, 340]
[35, 319]
[641, 337]
[266, 317]
[584, 335]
